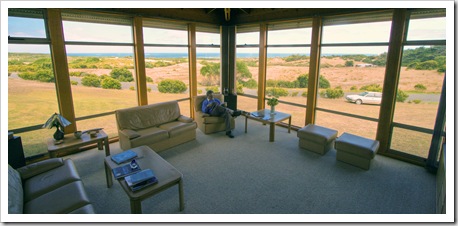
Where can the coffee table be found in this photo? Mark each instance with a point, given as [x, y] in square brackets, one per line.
[165, 173]
[71, 143]
[266, 117]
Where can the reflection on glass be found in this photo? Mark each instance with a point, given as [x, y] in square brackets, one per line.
[21, 27]
[208, 38]
[95, 32]
[248, 38]
[290, 36]
[427, 29]
[164, 36]
[357, 33]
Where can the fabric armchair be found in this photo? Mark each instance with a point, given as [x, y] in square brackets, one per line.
[206, 123]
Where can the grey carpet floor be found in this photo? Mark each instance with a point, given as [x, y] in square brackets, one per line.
[250, 175]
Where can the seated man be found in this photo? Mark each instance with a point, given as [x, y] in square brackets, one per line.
[213, 107]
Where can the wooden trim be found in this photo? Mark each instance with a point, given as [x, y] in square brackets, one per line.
[139, 54]
[192, 66]
[314, 71]
[60, 67]
[262, 65]
[390, 84]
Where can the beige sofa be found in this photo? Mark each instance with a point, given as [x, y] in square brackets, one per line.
[206, 123]
[159, 126]
[51, 186]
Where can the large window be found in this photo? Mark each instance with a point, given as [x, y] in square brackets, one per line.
[247, 69]
[288, 58]
[101, 67]
[31, 83]
[208, 61]
[352, 63]
[166, 61]
[420, 83]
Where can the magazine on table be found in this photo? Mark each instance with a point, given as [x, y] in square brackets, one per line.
[141, 179]
[125, 170]
[123, 156]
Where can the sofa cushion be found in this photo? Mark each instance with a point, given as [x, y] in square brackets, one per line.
[317, 134]
[213, 120]
[149, 136]
[15, 192]
[141, 117]
[52, 202]
[39, 167]
[176, 128]
[130, 133]
[50, 180]
[356, 145]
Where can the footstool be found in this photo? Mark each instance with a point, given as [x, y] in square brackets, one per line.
[317, 139]
[356, 150]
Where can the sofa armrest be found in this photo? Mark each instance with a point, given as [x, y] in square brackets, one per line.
[33, 169]
[129, 133]
[183, 118]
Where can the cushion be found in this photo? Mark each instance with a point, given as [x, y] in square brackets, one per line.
[149, 136]
[130, 133]
[147, 116]
[50, 180]
[15, 192]
[357, 145]
[213, 120]
[51, 203]
[177, 128]
[317, 133]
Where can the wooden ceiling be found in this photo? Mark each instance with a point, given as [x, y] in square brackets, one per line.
[232, 16]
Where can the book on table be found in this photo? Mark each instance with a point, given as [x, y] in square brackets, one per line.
[141, 179]
[125, 170]
[123, 156]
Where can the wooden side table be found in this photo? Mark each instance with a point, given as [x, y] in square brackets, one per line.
[71, 143]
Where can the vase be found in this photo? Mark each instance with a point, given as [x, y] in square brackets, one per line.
[58, 135]
[272, 109]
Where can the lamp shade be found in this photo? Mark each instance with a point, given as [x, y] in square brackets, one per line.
[56, 120]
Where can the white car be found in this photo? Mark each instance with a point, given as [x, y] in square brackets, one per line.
[365, 98]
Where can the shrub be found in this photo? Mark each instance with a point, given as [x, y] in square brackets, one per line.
[323, 82]
[149, 79]
[74, 83]
[420, 87]
[171, 86]
[295, 93]
[149, 90]
[401, 96]
[240, 89]
[416, 101]
[122, 74]
[215, 89]
[199, 91]
[91, 81]
[332, 93]
[427, 65]
[251, 83]
[41, 75]
[304, 94]
[349, 63]
[132, 88]
[277, 92]
[372, 87]
[302, 81]
[111, 83]
[76, 74]
[353, 88]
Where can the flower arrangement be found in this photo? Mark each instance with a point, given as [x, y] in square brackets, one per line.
[272, 101]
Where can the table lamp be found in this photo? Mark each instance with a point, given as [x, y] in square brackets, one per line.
[58, 121]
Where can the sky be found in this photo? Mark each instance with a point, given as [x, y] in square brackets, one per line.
[422, 29]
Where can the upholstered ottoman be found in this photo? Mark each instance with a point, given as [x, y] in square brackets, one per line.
[356, 150]
[316, 138]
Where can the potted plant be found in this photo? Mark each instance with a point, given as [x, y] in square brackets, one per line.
[272, 102]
